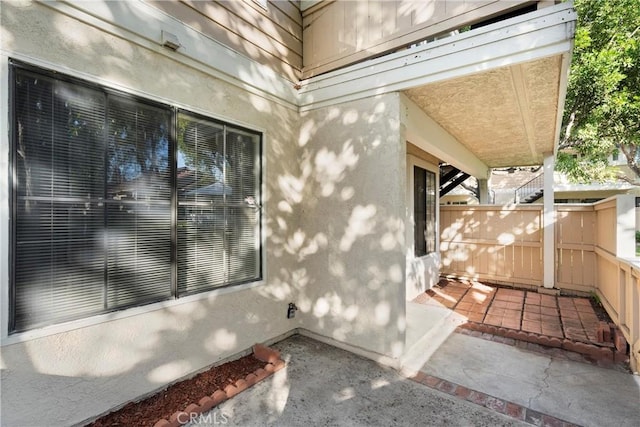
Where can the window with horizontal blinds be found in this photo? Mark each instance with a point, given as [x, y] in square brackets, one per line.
[201, 218]
[58, 200]
[430, 233]
[242, 213]
[101, 184]
[138, 203]
[218, 204]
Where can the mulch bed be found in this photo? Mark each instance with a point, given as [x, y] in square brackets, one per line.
[178, 396]
[599, 310]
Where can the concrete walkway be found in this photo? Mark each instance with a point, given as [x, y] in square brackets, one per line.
[326, 386]
[580, 393]
[323, 385]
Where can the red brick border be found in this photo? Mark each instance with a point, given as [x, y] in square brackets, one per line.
[602, 341]
[603, 354]
[273, 363]
[510, 409]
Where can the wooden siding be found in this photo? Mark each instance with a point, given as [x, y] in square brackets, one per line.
[340, 33]
[272, 37]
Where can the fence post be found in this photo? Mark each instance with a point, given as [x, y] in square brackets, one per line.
[549, 224]
[626, 226]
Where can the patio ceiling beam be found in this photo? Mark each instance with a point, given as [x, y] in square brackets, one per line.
[426, 134]
[519, 87]
[564, 77]
[540, 34]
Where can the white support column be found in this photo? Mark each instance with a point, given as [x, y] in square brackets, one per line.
[549, 223]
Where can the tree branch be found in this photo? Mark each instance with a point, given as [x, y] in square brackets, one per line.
[630, 152]
[567, 130]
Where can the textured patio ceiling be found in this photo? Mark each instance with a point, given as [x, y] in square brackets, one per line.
[505, 116]
[492, 96]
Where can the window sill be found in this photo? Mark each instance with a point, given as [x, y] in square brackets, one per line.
[20, 337]
[429, 255]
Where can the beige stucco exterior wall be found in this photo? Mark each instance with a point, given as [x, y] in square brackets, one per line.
[68, 373]
[351, 237]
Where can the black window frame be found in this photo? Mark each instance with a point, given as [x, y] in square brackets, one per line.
[424, 211]
[19, 67]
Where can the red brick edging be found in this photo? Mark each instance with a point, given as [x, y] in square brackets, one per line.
[507, 408]
[606, 354]
[273, 363]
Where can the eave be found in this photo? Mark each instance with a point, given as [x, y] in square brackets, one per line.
[498, 90]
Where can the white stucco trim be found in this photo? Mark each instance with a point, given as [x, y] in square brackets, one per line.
[423, 132]
[142, 24]
[625, 226]
[540, 34]
[422, 272]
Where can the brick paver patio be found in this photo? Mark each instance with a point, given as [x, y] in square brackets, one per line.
[560, 317]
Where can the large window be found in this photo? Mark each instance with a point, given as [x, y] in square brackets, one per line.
[424, 211]
[118, 201]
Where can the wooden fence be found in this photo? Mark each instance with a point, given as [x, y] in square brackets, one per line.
[593, 252]
[575, 248]
[491, 242]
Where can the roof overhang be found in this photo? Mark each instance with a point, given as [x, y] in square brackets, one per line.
[497, 91]
[425, 133]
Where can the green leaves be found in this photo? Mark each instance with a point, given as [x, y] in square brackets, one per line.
[603, 97]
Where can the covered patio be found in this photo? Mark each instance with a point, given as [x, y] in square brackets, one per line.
[333, 164]
[594, 257]
[571, 323]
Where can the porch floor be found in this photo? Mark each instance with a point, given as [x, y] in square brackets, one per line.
[564, 322]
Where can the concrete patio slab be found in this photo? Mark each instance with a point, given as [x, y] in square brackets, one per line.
[580, 393]
[323, 385]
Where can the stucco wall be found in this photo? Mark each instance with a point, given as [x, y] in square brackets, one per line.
[423, 272]
[82, 370]
[351, 237]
